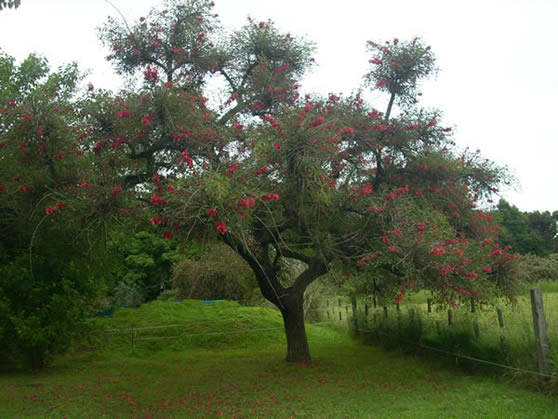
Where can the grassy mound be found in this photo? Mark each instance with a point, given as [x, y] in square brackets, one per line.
[188, 325]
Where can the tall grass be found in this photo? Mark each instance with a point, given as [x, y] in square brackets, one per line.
[413, 328]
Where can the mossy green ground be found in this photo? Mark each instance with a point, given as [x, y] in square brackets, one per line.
[244, 375]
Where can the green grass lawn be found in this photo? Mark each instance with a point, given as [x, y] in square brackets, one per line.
[247, 377]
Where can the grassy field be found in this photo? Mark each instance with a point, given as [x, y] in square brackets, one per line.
[244, 375]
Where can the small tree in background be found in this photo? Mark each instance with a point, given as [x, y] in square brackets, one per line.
[46, 233]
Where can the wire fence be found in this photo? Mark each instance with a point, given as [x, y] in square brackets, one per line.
[338, 314]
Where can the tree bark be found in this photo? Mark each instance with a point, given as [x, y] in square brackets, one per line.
[295, 331]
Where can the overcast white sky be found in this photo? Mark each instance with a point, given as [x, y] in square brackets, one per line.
[498, 82]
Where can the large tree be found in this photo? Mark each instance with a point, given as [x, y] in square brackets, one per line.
[326, 181]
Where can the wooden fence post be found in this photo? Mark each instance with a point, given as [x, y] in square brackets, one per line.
[354, 307]
[429, 303]
[539, 323]
[473, 308]
[374, 301]
[449, 317]
[385, 312]
[501, 325]
[476, 329]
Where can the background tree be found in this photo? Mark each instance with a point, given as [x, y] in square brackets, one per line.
[527, 232]
[46, 279]
[324, 181]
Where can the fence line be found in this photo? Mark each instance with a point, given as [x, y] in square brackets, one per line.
[167, 325]
[540, 331]
[471, 358]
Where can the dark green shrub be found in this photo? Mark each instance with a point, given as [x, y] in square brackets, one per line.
[42, 310]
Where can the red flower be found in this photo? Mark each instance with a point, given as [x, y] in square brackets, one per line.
[421, 227]
[397, 232]
[318, 121]
[123, 114]
[445, 270]
[187, 159]
[156, 220]
[39, 130]
[151, 74]
[277, 146]
[137, 52]
[158, 200]
[487, 269]
[394, 249]
[390, 197]
[221, 227]
[212, 212]
[262, 170]
[486, 242]
[231, 169]
[60, 156]
[381, 83]
[438, 252]
[146, 120]
[116, 191]
[167, 235]
[50, 211]
[26, 117]
[367, 189]
[2, 188]
[250, 202]
[168, 85]
[60, 205]
[398, 298]
[270, 197]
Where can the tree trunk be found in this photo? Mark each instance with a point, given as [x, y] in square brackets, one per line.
[293, 319]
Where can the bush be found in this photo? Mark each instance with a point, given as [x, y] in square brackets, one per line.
[218, 274]
[42, 310]
[534, 268]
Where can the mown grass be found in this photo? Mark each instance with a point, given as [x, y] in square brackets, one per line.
[241, 379]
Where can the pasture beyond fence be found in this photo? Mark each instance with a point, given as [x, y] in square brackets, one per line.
[516, 336]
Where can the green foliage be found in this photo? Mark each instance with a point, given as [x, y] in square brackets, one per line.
[218, 273]
[399, 67]
[11, 4]
[127, 295]
[142, 261]
[43, 305]
[175, 40]
[527, 232]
